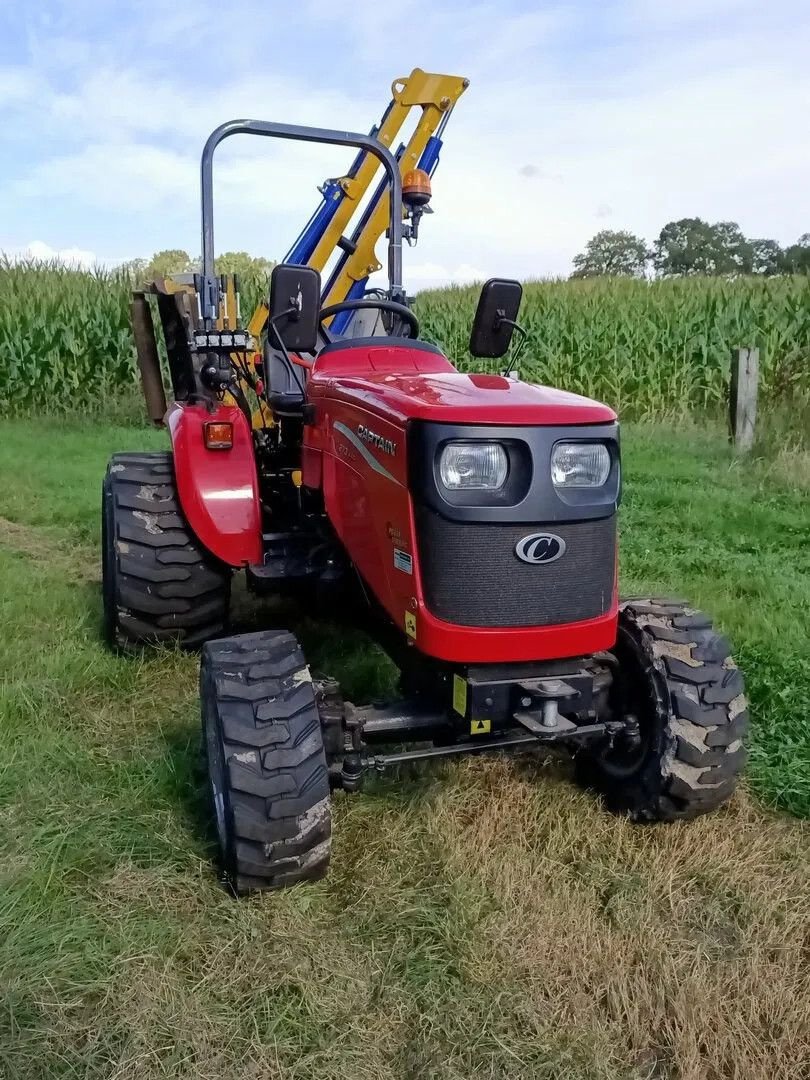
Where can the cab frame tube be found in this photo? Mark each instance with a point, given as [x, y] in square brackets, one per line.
[299, 134]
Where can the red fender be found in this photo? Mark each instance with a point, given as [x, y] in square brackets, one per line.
[218, 489]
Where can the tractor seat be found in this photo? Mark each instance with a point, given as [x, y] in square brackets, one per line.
[284, 393]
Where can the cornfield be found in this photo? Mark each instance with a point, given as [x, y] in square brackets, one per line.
[648, 349]
[65, 337]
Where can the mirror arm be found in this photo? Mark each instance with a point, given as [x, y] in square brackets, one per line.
[515, 326]
[502, 321]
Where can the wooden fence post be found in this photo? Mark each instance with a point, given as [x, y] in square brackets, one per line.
[743, 400]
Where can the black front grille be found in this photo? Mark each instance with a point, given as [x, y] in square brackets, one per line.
[472, 577]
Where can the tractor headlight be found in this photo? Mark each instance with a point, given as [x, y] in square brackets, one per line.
[580, 465]
[473, 466]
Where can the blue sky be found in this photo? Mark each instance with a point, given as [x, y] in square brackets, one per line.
[580, 116]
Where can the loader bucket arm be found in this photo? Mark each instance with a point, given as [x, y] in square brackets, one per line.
[435, 95]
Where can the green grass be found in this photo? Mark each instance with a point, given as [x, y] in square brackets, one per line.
[481, 920]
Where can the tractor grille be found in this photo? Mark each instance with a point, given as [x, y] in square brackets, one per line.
[472, 577]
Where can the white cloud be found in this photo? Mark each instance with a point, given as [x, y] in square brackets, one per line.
[39, 251]
[424, 275]
[121, 177]
[16, 85]
[645, 113]
[686, 12]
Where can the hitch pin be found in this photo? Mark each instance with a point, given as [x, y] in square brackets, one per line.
[551, 713]
[550, 692]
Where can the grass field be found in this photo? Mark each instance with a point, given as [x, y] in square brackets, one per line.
[484, 919]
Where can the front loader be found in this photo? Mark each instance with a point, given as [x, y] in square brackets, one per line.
[467, 521]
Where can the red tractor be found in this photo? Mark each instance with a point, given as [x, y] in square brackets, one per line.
[468, 521]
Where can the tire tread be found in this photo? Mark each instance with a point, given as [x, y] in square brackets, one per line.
[257, 691]
[699, 715]
[164, 586]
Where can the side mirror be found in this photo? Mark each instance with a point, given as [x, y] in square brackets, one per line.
[294, 307]
[495, 316]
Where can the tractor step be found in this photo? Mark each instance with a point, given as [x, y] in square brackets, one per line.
[280, 569]
[292, 556]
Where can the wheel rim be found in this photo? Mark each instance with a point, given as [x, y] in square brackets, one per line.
[216, 778]
[622, 760]
[108, 565]
[633, 695]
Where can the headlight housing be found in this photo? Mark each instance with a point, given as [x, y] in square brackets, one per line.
[580, 465]
[473, 466]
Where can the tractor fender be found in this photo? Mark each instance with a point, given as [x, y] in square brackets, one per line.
[218, 489]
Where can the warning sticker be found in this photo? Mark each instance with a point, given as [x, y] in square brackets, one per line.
[480, 727]
[403, 561]
[410, 624]
[459, 695]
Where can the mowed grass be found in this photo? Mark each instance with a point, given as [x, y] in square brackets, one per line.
[485, 919]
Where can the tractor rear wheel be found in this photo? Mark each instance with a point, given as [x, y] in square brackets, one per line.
[159, 583]
[266, 763]
[676, 677]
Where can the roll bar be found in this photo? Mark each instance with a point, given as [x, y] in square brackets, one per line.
[299, 134]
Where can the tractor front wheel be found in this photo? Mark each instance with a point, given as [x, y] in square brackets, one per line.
[267, 768]
[159, 583]
[675, 677]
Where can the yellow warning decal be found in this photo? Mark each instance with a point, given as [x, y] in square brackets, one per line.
[410, 624]
[480, 727]
[459, 695]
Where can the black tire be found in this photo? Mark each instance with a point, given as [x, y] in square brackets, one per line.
[677, 676]
[266, 764]
[159, 583]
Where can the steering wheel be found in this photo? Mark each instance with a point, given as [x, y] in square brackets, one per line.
[392, 306]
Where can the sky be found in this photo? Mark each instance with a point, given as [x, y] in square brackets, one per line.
[580, 116]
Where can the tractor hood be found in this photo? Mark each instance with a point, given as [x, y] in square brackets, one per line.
[416, 382]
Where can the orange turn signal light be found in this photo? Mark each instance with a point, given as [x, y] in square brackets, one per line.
[218, 436]
[416, 188]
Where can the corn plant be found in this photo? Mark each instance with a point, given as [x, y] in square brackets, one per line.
[648, 349]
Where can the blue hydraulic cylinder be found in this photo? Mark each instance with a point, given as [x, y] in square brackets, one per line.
[301, 251]
[430, 155]
[333, 194]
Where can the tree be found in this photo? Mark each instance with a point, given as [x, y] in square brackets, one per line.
[796, 258]
[239, 262]
[766, 257]
[163, 263]
[611, 253]
[135, 268]
[693, 246]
